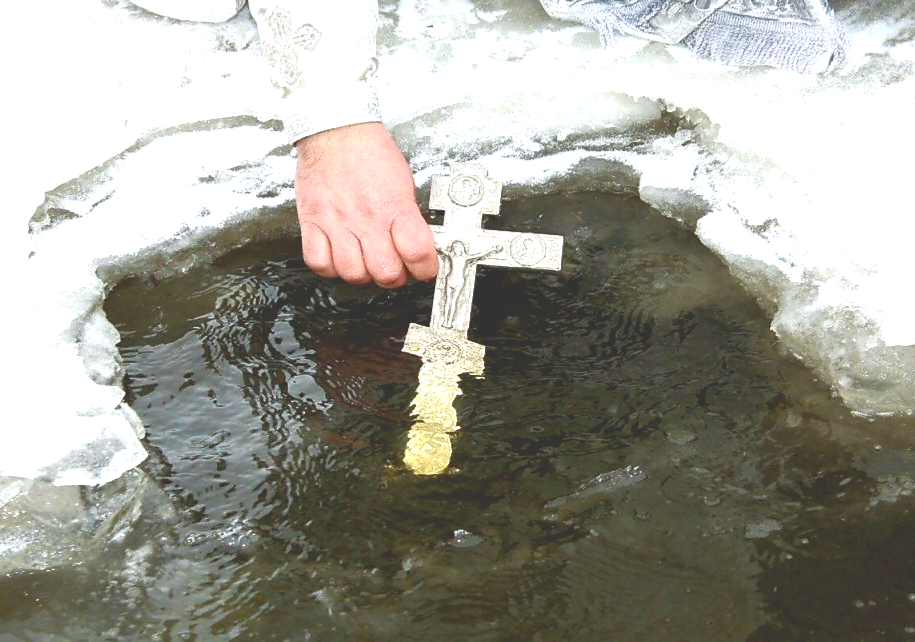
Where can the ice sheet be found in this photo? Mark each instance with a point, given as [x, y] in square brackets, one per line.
[142, 140]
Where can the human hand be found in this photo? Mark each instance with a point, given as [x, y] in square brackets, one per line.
[357, 210]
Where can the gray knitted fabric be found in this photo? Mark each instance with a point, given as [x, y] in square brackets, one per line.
[607, 17]
[802, 35]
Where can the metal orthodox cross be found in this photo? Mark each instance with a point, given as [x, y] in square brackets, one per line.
[462, 244]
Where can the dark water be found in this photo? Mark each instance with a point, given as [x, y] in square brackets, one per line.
[277, 406]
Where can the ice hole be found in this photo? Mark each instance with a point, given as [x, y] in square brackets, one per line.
[275, 405]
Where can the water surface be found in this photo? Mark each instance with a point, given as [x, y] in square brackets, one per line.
[277, 406]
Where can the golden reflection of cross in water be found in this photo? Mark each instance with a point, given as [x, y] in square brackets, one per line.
[446, 355]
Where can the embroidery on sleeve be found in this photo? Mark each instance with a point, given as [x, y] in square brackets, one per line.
[286, 44]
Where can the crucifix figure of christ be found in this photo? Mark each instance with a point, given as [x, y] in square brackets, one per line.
[465, 195]
[458, 267]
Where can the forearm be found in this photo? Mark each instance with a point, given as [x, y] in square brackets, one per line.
[322, 57]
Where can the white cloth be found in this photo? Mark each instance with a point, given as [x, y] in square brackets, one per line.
[193, 10]
[321, 55]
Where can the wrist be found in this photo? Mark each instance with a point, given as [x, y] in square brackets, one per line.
[357, 132]
[324, 107]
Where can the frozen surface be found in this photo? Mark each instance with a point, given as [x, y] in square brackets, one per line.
[152, 144]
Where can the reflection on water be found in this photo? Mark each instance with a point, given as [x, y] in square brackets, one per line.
[446, 355]
[428, 449]
[640, 462]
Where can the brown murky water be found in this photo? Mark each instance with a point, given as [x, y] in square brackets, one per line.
[277, 405]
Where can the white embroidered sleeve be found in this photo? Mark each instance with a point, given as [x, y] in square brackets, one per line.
[322, 56]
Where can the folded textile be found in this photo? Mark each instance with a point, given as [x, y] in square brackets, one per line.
[802, 35]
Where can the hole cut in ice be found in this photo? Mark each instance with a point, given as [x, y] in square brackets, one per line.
[277, 403]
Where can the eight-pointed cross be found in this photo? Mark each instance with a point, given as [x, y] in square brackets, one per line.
[462, 244]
